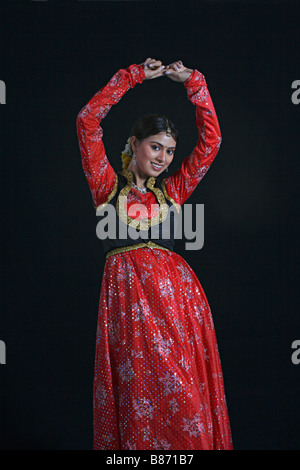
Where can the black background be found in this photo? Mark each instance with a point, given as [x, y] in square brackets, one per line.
[54, 56]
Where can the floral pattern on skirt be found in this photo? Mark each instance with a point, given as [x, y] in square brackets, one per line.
[158, 381]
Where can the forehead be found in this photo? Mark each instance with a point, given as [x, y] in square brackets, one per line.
[162, 139]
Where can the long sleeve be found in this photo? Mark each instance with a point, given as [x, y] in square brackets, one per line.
[183, 182]
[99, 173]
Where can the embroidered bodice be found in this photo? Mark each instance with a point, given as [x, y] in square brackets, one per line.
[104, 181]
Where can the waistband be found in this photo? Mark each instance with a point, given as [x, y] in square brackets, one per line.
[122, 249]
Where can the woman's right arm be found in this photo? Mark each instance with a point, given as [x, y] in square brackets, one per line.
[99, 173]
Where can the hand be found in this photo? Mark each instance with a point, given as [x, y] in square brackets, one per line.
[153, 68]
[177, 71]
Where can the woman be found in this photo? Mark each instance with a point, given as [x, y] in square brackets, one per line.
[158, 379]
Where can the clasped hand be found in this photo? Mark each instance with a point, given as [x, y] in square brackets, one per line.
[175, 71]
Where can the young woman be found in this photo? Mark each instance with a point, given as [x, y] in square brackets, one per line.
[158, 380]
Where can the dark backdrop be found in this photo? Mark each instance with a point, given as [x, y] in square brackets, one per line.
[54, 57]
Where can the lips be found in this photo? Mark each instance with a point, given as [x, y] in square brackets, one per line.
[156, 167]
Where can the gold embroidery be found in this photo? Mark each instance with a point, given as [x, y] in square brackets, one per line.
[142, 224]
[122, 249]
[110, 196]
[169, 197]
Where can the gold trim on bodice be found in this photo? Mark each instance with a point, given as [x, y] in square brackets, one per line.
[142, 224]
[122, 249]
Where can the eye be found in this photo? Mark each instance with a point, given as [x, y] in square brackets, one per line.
[155, 147]
[170, 152]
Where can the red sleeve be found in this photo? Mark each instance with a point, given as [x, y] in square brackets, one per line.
[99, 173]
[183, 182]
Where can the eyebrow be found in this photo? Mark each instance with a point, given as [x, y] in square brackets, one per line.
[154, 142]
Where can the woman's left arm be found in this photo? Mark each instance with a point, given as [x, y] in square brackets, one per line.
[183, 182]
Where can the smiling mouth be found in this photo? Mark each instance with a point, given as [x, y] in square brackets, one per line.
[156, 167]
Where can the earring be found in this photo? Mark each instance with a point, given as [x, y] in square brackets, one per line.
[167, 169]
[134, 159]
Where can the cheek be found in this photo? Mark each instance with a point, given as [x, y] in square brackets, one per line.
[148, 154]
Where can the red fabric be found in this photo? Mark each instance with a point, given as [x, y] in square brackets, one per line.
[158, 379]
[99, 172]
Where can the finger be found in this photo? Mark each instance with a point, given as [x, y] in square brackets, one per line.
[145, 62]
[151, 61]
[168, 71]
[155, 64]
[172, 68]
[178, 66]
[148, 62]
[173, 65]
[159, 72]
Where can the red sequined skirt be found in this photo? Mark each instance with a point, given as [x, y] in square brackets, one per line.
[158, 381]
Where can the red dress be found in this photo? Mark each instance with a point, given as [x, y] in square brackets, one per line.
[158, 380]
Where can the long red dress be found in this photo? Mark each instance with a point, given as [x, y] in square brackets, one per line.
[158, 380]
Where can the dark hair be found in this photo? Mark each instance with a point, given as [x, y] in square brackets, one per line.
[152, 124]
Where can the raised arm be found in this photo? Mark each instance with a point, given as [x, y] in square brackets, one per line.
[100, 175]
[183, 182]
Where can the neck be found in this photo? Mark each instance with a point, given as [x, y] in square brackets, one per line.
[139, 178]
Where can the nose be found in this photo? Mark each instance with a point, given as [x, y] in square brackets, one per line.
[162, 155]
